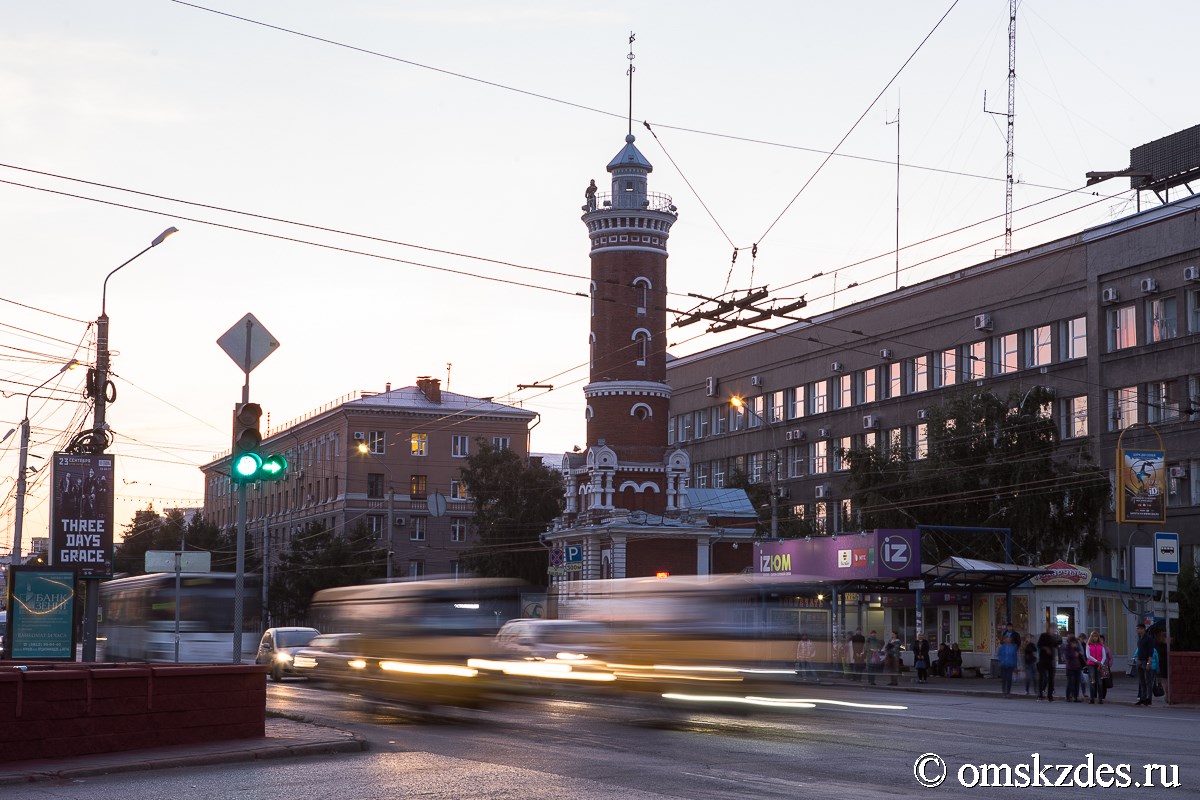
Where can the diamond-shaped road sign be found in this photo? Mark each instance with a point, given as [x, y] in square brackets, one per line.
[248, 343]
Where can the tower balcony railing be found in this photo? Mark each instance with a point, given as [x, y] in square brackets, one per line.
[653, 201]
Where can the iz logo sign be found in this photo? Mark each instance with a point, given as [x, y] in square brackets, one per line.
[895, 553]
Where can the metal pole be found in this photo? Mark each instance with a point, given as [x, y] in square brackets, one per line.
[239, 579]
[266, 562]
[390, 527]
[178, 573]
[91, 610]
[22, 462]
[1167, 622]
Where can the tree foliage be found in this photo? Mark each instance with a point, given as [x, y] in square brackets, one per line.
[790, 525]
[319, 558]
[1186, 637]
[515, 501]
[150, 531]
[992, 462]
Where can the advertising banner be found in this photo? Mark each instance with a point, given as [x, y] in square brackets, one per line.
[81, 514]
[878, 555]
[1141, 486]
[41, 614]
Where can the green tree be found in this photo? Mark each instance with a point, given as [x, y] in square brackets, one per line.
[1186, 637]
[319, 558]
[150, 531]
[515, 501]
[991, 462]
[759, 494]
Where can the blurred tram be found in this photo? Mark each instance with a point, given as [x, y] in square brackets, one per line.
[699, 631]
[410, 641]
[137, 617]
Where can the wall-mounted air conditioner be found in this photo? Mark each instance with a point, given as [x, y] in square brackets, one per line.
[822, 491]
[783, 493]
[359, 436]
[837, 366]
[885, 354]
[1110, 295]
[399, 522]
[710, 387]
[983, 322]
[1191, 273]
[1149, 285]
[1178, 471]
[756, 380]
[870, 421]
[922, 413]
[824, 433]
[794, 435]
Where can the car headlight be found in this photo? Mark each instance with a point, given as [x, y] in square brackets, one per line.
[283, 658]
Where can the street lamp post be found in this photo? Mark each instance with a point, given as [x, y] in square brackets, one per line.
[99, 441]
[772, 469]
[22, 466]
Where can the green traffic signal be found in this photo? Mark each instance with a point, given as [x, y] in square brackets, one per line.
[246, 467]
[273, 468]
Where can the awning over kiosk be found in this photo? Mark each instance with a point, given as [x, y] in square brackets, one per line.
[976, 575]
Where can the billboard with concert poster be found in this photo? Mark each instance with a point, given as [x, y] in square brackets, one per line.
[81, 514]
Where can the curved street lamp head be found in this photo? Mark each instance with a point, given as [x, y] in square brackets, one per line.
[163, 236]
[737, 402]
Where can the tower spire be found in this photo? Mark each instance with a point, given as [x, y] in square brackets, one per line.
[632, 69]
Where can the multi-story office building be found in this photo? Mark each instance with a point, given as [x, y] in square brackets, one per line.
[1109, 319]
[405, 487]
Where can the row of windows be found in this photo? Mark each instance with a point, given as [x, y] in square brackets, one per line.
[460, 444]
[1156, 402]
[1003, 354]
[418, 487]
[1160, 320]
[418, 527]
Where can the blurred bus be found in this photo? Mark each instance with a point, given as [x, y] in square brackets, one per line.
[137, 618]
[412, 639]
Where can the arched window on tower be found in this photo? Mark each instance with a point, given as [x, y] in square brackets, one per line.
[591, 350]
[592, 297]
[641, 292]
[641, 346]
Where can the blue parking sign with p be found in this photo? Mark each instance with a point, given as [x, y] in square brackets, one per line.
[574, 553]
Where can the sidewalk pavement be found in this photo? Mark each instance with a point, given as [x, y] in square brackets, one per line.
[285, 738]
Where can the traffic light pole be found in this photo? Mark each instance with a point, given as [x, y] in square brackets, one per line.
[239, 580]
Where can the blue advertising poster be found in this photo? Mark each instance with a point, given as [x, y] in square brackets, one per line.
[41, 614]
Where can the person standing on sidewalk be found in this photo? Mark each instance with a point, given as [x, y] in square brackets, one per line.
[1144, 656]
[1006, 654]
[806, 651]
[1047, 663]
[874, 657]
[1030, 653]
[1098, 667]
[858, 654]
[921, 658]
[891, 659]
[1073, 660]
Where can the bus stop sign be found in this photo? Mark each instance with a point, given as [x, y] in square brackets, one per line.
[1166, 553]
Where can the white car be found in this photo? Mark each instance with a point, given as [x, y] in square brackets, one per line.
[278, 649]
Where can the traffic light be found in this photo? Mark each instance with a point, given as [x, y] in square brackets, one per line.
[247, 461]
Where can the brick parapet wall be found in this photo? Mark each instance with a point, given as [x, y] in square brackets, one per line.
[74, 709]
[1185, 678]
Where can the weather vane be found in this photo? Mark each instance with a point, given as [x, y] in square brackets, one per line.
[632, 69]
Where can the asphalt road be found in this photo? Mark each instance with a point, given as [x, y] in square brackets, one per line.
[617, 748]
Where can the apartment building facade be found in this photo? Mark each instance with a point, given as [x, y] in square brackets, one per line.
[405, 488]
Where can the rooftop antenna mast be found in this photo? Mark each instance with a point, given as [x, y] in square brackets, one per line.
[1012, 110]
[632, 69]
[896, 122]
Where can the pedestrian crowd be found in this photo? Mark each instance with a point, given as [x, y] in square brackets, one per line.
[1086, 659]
